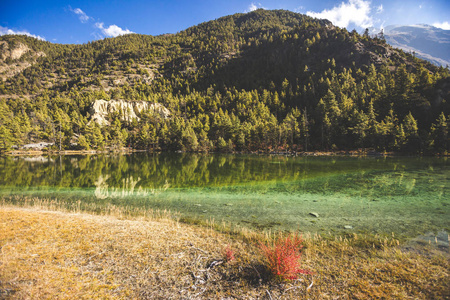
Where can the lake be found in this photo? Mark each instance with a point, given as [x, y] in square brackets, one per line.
[402, 195]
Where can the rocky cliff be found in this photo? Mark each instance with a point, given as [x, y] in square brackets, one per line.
[128, 110]
[12, 53]
[11, 62]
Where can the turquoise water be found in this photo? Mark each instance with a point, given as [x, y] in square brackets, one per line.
[407, 196]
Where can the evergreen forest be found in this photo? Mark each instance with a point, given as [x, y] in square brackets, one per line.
[268, 80]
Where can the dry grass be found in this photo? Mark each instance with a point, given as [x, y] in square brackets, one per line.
[63, 255]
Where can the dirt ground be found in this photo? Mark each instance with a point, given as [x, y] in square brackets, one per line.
[63, 255]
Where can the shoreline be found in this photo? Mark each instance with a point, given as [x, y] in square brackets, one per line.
[351, 153]
[48, 253]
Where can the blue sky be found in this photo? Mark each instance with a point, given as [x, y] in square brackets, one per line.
[68, 22]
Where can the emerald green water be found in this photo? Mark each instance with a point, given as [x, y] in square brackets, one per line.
[407, 196]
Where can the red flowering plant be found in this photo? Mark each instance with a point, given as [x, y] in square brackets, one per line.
[283, 257]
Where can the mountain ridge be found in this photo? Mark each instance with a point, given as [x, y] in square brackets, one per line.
[426, 41]
[261, 80]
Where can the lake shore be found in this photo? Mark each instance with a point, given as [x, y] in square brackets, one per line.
[66, 255]
[37, 152]
[355, 152]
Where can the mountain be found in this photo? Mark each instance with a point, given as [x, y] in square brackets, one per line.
[427, 42]
[265, 80]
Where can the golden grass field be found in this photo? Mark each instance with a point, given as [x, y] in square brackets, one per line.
[64, 255]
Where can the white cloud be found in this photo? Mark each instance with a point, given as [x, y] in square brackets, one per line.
[81, 14]
[5, 30]
[112, 30]
[380, 9]
[443, 25]
[354, 11]
[254, 6]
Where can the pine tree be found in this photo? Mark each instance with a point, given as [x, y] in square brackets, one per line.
[118, 136]
[410, 126]
[189, 138]
[373, 126]
[388, 131]
[412, 143]
[83, 143]
[221, 145]
[291, 126]
[439, 133]
[305, 128]
[361, 127]
[6, 139]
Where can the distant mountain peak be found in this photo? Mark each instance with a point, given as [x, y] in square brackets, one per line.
[426, 41]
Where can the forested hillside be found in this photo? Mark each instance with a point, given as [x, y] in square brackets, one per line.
[266, 80]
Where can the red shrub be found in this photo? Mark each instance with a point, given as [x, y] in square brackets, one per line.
[284, 257]
[228, 254]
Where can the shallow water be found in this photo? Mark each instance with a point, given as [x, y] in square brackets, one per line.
[407, 196]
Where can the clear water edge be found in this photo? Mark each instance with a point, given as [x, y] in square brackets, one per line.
[405, 196]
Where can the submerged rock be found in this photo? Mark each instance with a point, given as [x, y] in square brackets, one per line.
[439, 240]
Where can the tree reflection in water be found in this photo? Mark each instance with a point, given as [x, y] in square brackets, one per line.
[259, 191]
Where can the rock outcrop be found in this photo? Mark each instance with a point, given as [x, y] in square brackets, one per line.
[128, 110]
[10, 59]
[12, 53]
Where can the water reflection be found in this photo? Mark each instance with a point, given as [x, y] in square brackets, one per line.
[127, 189]
[259, 191]
[145, 174]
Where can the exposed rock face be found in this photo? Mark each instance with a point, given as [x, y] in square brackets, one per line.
[129, 110]
[14, 53]
[15, 65]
